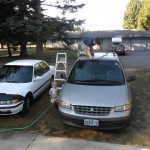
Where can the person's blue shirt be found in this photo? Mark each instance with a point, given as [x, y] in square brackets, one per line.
[88, 41]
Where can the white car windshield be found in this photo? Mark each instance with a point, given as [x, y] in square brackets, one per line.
[16, 74]
[97, 72]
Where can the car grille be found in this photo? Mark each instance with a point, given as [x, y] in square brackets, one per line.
[92, 110]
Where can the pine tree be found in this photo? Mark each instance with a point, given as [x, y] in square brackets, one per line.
[144, 16]
[131, 14]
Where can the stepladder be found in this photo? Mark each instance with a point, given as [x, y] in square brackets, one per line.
[60, 68]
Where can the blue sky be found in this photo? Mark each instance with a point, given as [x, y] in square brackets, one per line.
[99, 14]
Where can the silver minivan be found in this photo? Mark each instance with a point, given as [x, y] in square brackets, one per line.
[96, 94]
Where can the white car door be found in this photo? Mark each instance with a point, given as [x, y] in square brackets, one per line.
[41, 78]
[37, 80]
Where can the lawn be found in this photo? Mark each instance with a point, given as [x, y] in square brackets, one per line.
[137, 133]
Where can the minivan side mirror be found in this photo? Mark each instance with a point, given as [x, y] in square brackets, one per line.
[131, 78]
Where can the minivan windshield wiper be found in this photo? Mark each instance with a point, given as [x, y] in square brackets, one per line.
[100, 81]
[113, 82]
[75, 81]
[97, 81]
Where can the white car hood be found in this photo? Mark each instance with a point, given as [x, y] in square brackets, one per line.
[87, 95]
[12, 88]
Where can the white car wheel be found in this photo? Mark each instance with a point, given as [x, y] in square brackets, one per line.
[26, 105]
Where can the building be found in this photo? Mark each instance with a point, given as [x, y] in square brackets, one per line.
[132, 39]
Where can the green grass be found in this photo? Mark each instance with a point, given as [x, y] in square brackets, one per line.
[32, 52]
[49, 55]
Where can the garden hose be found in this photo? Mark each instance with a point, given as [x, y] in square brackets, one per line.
[28, 126]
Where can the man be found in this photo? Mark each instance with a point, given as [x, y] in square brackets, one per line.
[90, 42]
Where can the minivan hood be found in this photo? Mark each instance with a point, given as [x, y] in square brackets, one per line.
[12, 88]
[88, 95]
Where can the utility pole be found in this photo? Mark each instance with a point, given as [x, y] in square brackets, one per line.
[130, 38]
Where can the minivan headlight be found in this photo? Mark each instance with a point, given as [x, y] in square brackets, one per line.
[123, 107]
[64, 104]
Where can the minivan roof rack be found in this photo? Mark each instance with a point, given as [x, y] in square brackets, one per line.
[106, 52]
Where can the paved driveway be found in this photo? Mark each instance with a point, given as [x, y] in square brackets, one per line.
[136, 60]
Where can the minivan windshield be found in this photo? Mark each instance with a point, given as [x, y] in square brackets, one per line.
[96, 72]
[16, 74]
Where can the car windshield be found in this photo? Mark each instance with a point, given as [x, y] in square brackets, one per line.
[16, 74]
[96, 72]
[121, 47]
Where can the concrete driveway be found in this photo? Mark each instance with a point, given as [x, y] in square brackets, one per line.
[23, 141]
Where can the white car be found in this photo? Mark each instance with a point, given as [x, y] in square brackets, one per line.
[97, 93]
[21, 82]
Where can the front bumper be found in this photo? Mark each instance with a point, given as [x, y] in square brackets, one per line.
[105, 123]
[11, 109]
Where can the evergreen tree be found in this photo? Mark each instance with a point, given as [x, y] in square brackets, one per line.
[17, 24]
[144, 16]
[131, 14]
[23, 21]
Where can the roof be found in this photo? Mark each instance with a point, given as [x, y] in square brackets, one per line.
[74, 34]
[110, 33]
[24, 62]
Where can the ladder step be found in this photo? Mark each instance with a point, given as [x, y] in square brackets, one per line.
[63, 62]
[59, 79]
[61, 53]
[60, 70]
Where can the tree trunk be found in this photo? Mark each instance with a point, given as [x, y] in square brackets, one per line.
[39, 41]
[23, 49]
[9, 51]
[39, 49]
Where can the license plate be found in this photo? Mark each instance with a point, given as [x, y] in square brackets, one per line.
[91, 122]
